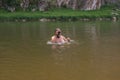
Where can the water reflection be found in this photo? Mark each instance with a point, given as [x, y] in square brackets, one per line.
[93, 56]
[58, 53]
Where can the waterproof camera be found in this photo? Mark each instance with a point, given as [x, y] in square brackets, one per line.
[59, 33]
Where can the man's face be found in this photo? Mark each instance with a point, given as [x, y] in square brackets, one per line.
[58, 32]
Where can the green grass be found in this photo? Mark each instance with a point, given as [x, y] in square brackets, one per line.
[58, 14]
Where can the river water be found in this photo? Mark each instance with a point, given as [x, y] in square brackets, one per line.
[94, 54]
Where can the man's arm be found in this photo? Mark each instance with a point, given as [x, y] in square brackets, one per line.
[52, 39]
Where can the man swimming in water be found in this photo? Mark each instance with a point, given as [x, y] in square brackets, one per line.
[58, 37]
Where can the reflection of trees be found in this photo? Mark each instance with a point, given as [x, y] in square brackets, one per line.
[101, 61]
[97, 59]
[57, 53]
[32, 32]
[72, 32]
[25, 31]
[93, 33]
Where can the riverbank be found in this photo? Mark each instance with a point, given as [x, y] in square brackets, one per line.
[61, 15]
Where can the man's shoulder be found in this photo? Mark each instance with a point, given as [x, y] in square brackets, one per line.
[62, 36]
[53, 37]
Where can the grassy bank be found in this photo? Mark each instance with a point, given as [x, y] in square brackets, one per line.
[60, 15]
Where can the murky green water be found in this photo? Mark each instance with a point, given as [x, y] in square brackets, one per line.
[95, 55]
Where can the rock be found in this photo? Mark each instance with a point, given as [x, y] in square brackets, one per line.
[43, 20]
[114, 19]
[100, 19]
[23, 20]
[33, 10]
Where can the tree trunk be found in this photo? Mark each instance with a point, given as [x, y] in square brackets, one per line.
[43, 5]
[25, 4]
[0, 3]
[86, 4]
[61, 3]
[92, 4]
[75, 4]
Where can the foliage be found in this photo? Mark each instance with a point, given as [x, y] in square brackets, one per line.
[57, 14]
[54, 12]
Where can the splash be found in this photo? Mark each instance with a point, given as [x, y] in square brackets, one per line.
[60, 43]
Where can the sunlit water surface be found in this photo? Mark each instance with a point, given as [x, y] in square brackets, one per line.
[95, 54]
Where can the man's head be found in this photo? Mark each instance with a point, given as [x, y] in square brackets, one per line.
[58, 32]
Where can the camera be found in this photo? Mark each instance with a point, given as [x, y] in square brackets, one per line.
[59, 33]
